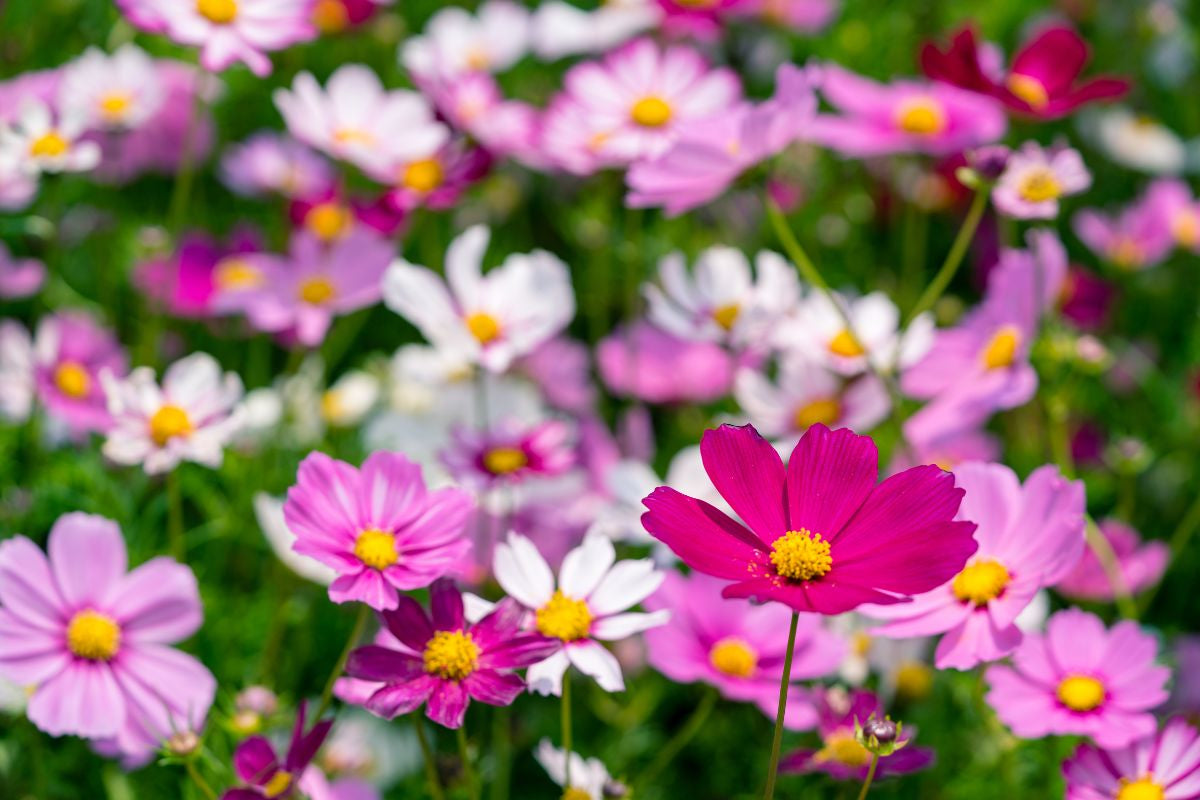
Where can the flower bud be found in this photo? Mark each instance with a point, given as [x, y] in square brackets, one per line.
[882, 730]
[182, 743]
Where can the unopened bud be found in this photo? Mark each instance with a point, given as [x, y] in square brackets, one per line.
[617, 791]
[882, 730]
[183, 743]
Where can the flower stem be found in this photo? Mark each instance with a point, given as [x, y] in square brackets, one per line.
[870, 777]
[431, 770]
[360, 623]
[1102, 549]
[566, 727]
[953, 259]
[680, 740]
[1179, 541]
[175, 517]
[784, 683]
[182, 190]
[502, 749]
[197, 779]
[468, 771]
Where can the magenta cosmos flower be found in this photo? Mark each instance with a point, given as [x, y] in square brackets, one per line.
[1029, 538]
[230, 31]
[94, 640]
[1161, 767]
[509, 453]
[735, 647]
[185, 282]
[1081, 678]
[446, 662]
[257, 764]
[70, 351]
[841, 756]
[378, 526]
[820, 535]
[1141, 565]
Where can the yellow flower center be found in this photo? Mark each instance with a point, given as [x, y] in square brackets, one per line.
[825, 411]
[1029, 89]
[842, 748]
[1001, 349]
[504, 460]
[981, 582]
[218, 12]
[114, 105]
[452, 655]
[93, 636]
[280, 782]
[478, 59]
[1143, 788]
[574, 793]
[328, 221]
[1184, 228]
[726, 315]
[376, 549]
[1081, 693]
[330, 16]
[860, 644]
[651, 112]
[923, 116]
[483, 326]
[169, 422]
[316, 291]
[913, 680]
[424, 175]
[236, 273]
[846, 344]
[732, 656]
[801, 555]
[72, 379]
[49, 145]
[1039, 186]
[353, 136]
[333, 406]
[246, 722]
[1127, 254]
[564, 618]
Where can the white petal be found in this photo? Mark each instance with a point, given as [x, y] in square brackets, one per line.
[545, 677]
[522, 572]
[592, 659]
[626, 585]
[619, 626]
[585, 566]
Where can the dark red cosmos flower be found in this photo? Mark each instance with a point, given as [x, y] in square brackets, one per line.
[1040, 83]
[266, 776]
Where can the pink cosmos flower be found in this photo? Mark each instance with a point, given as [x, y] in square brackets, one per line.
[331, 214]
[508, 453]
[652, 365]
[474, 104]
[1171, 202]
[561, 368]
[19, 277]
[1081, 678]
[378, 526]
[841, 756]
[184, 283]
[804, 394]
[948, 451]
[455, 41]
[903, 117]
[269, 163]
[445, 662]
[257, 764]
[1034, 179]
[232, 31]
[819, 535]
[1029, 538]
[1141, 565]
[94, 639]
[439, 181]
[1134, 239]
[736, 648]
[1166, 765]
[70, 351]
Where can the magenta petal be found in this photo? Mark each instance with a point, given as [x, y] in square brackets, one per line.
[390, 489]
[374, 663]
[747, 471]
[703, 537]
[829, 476]
[448, 704]
[401, 698]
[446, 606]
[1055, 57]
[916, 562]
[409, 623]
[241, 794]
[820, 597]
[87, 556]
[494, 688]
[255, 761]
[519, 652]
[500, 625]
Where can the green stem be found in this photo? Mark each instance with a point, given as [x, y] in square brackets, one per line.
[1179, 542]
[566, 727]
[953, 259]
[182, 190]
[468, 770]
[680, 740]
[431, 770]
[175, 517]
[360, 624]
[197, 779]
[866, 787]
[1107, 557]
[502, 748]
[784, 684]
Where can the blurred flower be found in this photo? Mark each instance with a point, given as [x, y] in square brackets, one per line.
[257, 764]
[16, 371]
[192, 417]
[588, 605]
[1171, 202]
[475, 105]
[70, 352]
[39, 143]
[806, 394]
[446, 662]
[268, 511]
[815, 538]
[1034, 180]
[650, 364]
[117, 92]
[19, 277]
[454, 41]
[1166, 765]
[94, 639]
[1029, 537]
[1134, 239]
[1137, 141]
[360, 522]
[268, 163]
[1085, 299]
[1141, 565]
[187, 282]
[561, 368]
[1081, 679]
[508, 453]
[232, 31]
[560, 29]
[818, 333]
[1185, 694]
[331, 214]
[589, 778]
[438, 182]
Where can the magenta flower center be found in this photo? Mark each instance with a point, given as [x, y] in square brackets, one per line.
[451, 655]
[1029, 89]
[1081, 692]
[93, 636]
[1040, 185]
[922, 116]
[651, 112]
[564, 618]
[1001, 349]
[801, 555]
[504, 460]
[733, 657]
[218, 12]
[376, 549]
[167, 423]
[726, 316]
[72, 379]
[842, 748]
[1143, 788]
[981, 582]
[483, 326]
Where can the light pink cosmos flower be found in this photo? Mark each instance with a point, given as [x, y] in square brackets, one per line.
[1171, 201]
[269, 163]
[232, 31]
[1166, 765]
[1029, 538]
[1141, 565]
[903, 117]
[454, 41]
[378, 526]
[39, 140]
[737, 648]
[19, 277]
[560, 29]
[508, 453]
[646, 362]
[117, 92]
[94, 639]
[804, 394]
[70, 352]
[1134, 239]
[1034, 180]
[474, 104]
[1081, 678]
[587, 604]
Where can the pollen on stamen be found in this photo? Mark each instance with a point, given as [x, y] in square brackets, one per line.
[801, 555]
[452, 655]
[564, 618]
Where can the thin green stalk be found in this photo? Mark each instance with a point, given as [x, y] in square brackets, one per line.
[866, 787]
[502, 752]
[566, 726]
[175, 517]
[1179, 542]
[197, 779]
[953, 259]
[1111, 565]
[680, 740]
[784, 683]
[360, 624]
[468, 770]
[182, 190]
[431, 770]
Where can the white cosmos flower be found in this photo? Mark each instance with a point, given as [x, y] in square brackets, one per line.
[117, 92]
[589, 602]
[40, 143]
[485, 319]
[455, 42]
[560, 29]
[805, 394]
[721, 300]
[16, 371]
[356, 119]
[268, 511]
[1137, 141]
[347, 402]
[191, 417]
[589, 776]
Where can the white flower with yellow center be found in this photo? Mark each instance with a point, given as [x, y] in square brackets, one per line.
[455, 42]
[586, 605]
[1035, 179]
[589, 777]
[112, 92]
[40, 143]
[804, 394]
[560, 29]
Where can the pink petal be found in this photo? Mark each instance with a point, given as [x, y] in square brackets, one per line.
[749, 474]
[82, 700]
[494, 688]
[703, 537]
[830, 475]
[401, 698]
[27, 588]
[448, 704]
[157, 602]
[87, 556]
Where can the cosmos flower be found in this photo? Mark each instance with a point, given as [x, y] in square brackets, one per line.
[1081, 678]
[40, 143]
[268, 163]
[438, 182]
[1134, 239]
[232, 31]
[185, 283]
[646, 362]
[474, 104]
[454, 41]
[820, 535]
[70, 352]
[256, 763]
[736, 648]
[1141, 565]
[1137, 141]
[95, 640]
[1029, 538]
[332, 213]
[508, 453]
[1171, 201]
[19, 277]
[116, 92]
[560, 29]
[16, 371]
[378, 526]
[488, 319]
[1165, 765]
[804, 394]
[590, 779]
[587, 604]
[445, 662]
[1035, 179]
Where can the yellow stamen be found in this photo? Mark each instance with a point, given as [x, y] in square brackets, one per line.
[280, 782]
[328, 221]
[575, 793]
[236, 273]
[845, 344]
[353, 136]
[1029, 89]
[923, 116]
[218, 12]
[1039, 185]
[376, 549]
[732, 656]
[564, 618]
[114, 105]
[167, 423]
[1143, 788]
[1126, 254]
[483, 326]
[651, 112]
[1185, 228]
[726, 315]
[93, 636]
[825, 411]
[981, 582]
[1001, 349]
[913, 680]
[478, 59]
[860, 644]
[316, 291]
[330, 16]
[842, 748]
[452, 655]
[1081, 693]
[49, 145]
[801, 555]
[424, 175]
[72, 379]
[504, 460]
